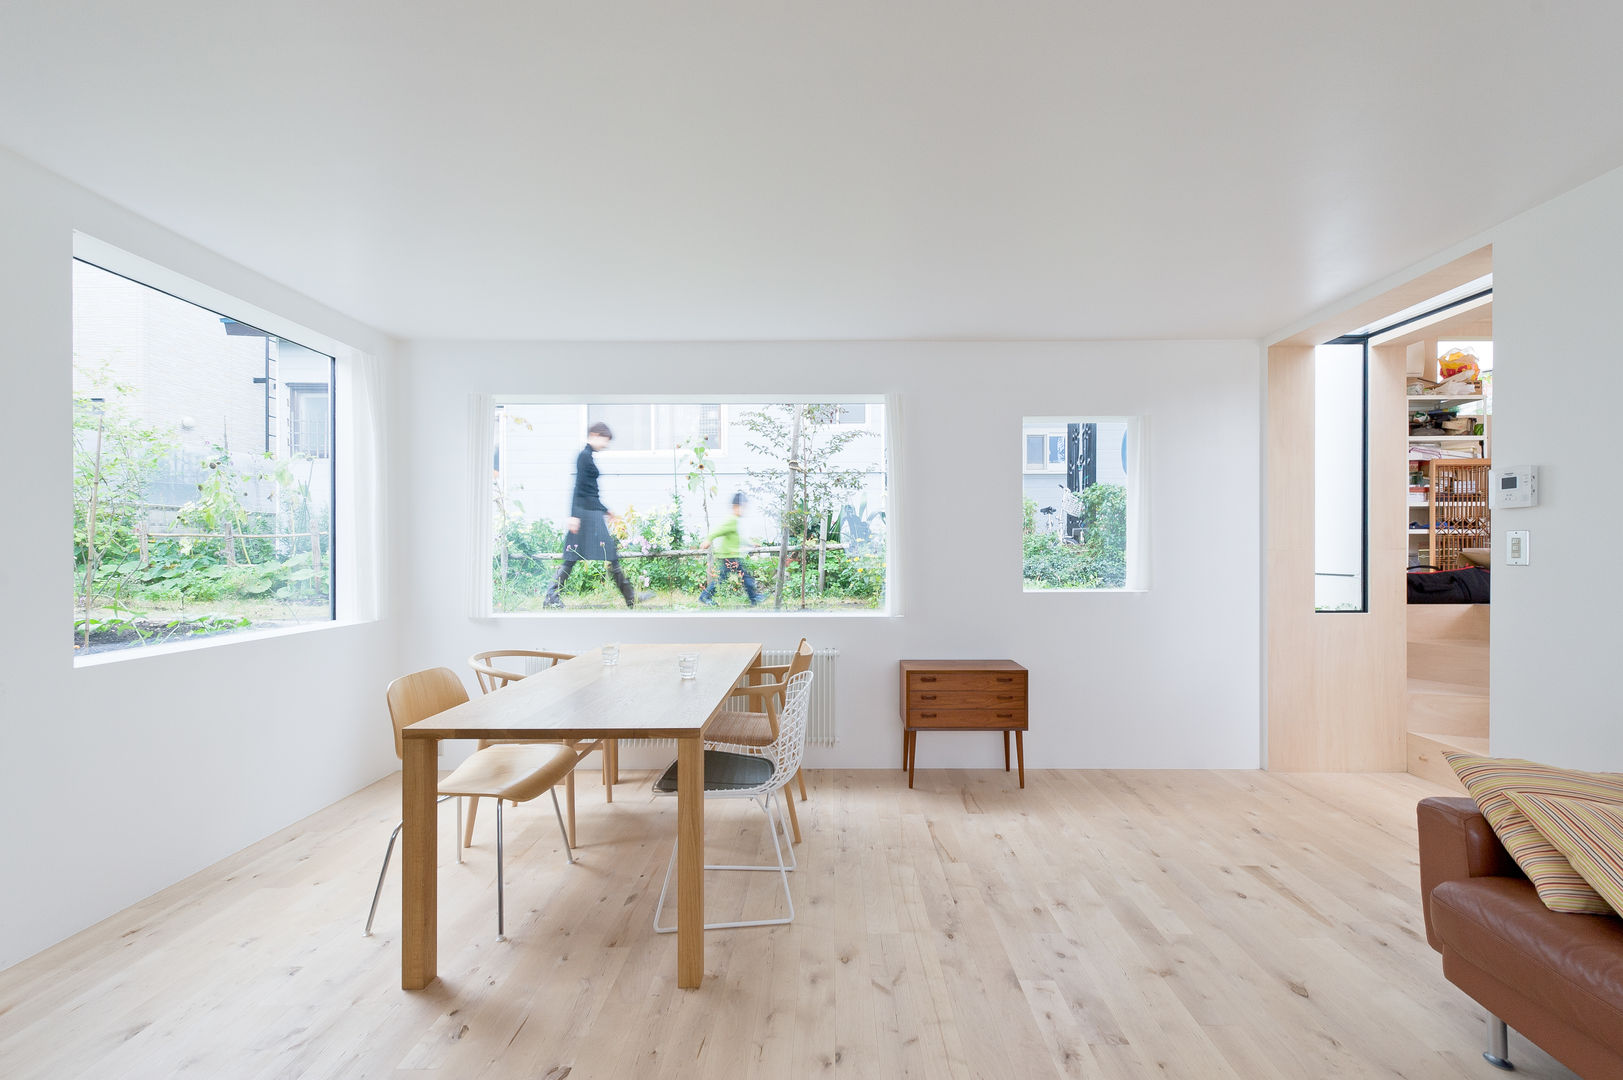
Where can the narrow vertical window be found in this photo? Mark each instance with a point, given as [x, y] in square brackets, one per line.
[1340, 481]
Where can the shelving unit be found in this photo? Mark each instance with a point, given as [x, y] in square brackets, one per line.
[1432, 543]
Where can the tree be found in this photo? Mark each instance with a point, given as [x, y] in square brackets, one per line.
[805, 487]
[116, 456]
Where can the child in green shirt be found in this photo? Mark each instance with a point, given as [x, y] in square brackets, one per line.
[727, 547]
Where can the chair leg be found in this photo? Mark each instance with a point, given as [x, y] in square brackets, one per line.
[781, 867]
[1498, 1051]
[794, 819]
[388, 853]
[569, 795]
[800, 778]
[501, 910]
[459, 827]
[568, 848]
[473, 812]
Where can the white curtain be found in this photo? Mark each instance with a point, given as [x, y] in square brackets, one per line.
[894, 518]
[1138, 502]
[481, 515]
[361, 505]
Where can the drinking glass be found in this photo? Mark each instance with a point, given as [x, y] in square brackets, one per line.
[687, 665]
[611, 654]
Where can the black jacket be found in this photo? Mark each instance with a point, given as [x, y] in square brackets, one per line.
[586, 499]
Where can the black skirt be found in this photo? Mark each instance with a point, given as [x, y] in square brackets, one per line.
[594, 542]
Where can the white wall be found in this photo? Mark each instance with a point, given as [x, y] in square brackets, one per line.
[1166, 678]
[119, 779]
[1558, 287]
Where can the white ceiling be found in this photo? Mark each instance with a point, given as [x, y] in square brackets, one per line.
[595, 169]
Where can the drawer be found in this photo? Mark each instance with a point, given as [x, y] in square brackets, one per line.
[989, 681]
[928, 697]
[967, 718]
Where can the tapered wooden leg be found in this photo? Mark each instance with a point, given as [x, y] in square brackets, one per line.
[611, 767]
[569, 796]
[800, 778]
[794, 819]
[912, 754]
[907, 748]
[419, 859]
[1005, 751]
[614, 761]
[1020, 752]
[467, 826]
[689, 863]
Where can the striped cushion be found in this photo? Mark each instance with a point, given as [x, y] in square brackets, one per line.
[1589, 834]
[1491, 781]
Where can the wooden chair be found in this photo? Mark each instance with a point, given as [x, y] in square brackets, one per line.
[756, 773]
[496, 668]
[756, 728]
[517, 772]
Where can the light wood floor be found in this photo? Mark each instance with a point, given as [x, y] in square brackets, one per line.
[1208, 925]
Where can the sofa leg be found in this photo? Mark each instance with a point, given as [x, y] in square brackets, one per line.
[1498, 1052]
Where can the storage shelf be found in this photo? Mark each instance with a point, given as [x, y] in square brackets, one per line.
[1449, 402]
[1447, 438]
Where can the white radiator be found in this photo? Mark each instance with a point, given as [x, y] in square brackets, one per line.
[820, 716]
[820, 729]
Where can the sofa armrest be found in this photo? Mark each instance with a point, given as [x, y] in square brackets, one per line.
[1456, 842]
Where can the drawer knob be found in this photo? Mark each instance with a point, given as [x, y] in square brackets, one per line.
[1005, 716]
[928, 715]
[1005, 697]
[926, 697]
[1005, 678]
[926, 678]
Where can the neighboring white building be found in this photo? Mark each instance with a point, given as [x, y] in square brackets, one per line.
[205, 380]
[643, 468]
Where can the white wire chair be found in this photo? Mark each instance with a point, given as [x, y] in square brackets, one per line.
[757, 773]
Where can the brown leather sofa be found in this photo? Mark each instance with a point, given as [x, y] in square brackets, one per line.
[1557, 979]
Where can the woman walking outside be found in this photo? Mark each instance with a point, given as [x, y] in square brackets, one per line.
[725, 537]
[589, 520]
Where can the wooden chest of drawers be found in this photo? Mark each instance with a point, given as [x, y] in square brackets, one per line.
[963, 695]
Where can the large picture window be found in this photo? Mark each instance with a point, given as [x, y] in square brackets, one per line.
[202, 471]
[689, 505]
[1082, 492]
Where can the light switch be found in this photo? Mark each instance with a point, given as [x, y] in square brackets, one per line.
[1517, 548]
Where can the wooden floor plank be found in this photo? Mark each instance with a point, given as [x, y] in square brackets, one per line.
[1209, 925]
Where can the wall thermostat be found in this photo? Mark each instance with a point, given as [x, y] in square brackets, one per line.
[1514, 488]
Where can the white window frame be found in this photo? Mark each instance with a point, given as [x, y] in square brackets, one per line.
[480, 456]
[1047, 465]
[1138, 491]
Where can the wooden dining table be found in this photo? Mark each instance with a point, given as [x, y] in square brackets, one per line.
[641, 697]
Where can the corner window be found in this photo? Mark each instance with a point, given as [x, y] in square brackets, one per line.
[770, 505]
[1082, 495]
[202, 471]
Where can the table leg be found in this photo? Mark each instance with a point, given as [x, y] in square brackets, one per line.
[569, 795]
[1020, 752]
[912, 754]
[689, 863]
[614, 761]
[1005, 749]
[419, 859]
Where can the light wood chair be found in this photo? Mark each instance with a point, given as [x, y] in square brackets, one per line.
[495, 669]
[758, 773]
[517, 772]
[764, 686]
